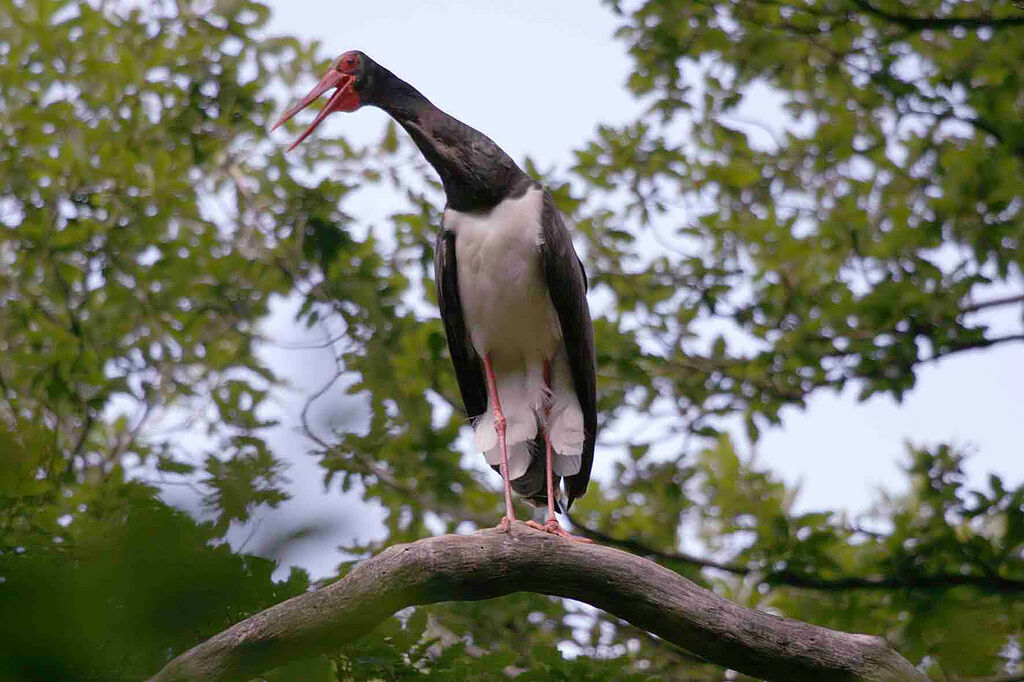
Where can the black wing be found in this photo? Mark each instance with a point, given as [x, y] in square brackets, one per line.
[567, 286]
[469, 369]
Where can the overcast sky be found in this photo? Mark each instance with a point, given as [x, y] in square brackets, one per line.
[538, 77]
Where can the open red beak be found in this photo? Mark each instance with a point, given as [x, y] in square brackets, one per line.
[345, 98]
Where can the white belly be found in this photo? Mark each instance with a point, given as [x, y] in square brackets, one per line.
[509, 315]
[501, 283]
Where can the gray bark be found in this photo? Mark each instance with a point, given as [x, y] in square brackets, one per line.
[491, 564]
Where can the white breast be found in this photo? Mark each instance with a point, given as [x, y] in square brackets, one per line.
[509, 315]
[501, 283]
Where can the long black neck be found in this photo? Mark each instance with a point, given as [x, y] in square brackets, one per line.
[477, 175]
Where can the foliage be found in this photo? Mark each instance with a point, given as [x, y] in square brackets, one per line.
[857, 243]
[148, 224]
[128, 581]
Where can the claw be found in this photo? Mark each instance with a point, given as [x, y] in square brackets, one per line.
[553, 528]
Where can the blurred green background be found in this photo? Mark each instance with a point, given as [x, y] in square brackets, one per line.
[787, 200]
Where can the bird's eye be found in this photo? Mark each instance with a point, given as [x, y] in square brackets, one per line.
[346, 63]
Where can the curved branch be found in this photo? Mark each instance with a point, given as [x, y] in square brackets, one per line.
[491, 563]
[930, 581]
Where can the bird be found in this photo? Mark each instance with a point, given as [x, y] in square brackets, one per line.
[512, 293]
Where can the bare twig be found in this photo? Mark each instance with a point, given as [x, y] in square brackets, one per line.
[993, 303]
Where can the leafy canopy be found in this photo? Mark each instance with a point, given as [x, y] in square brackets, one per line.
[147, 224]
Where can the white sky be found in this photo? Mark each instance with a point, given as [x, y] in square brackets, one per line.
[538, 77]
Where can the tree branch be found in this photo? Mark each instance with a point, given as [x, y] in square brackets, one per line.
[938, 23]
[490, 564]
[993, 303]
[974, 345]
[994, 583]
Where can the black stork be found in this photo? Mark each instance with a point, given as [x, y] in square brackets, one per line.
[512, 292]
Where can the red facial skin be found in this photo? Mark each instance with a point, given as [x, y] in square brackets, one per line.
[345, 98]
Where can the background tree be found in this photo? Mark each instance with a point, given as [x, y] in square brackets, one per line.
[148, 223]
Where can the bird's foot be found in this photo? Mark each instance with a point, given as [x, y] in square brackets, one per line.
[505, 526]
[552, 527]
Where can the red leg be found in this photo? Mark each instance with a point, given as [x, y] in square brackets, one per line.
[499, 427]
[549, 465]
[551, 525]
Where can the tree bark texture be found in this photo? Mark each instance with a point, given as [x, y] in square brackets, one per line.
[491, 563]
